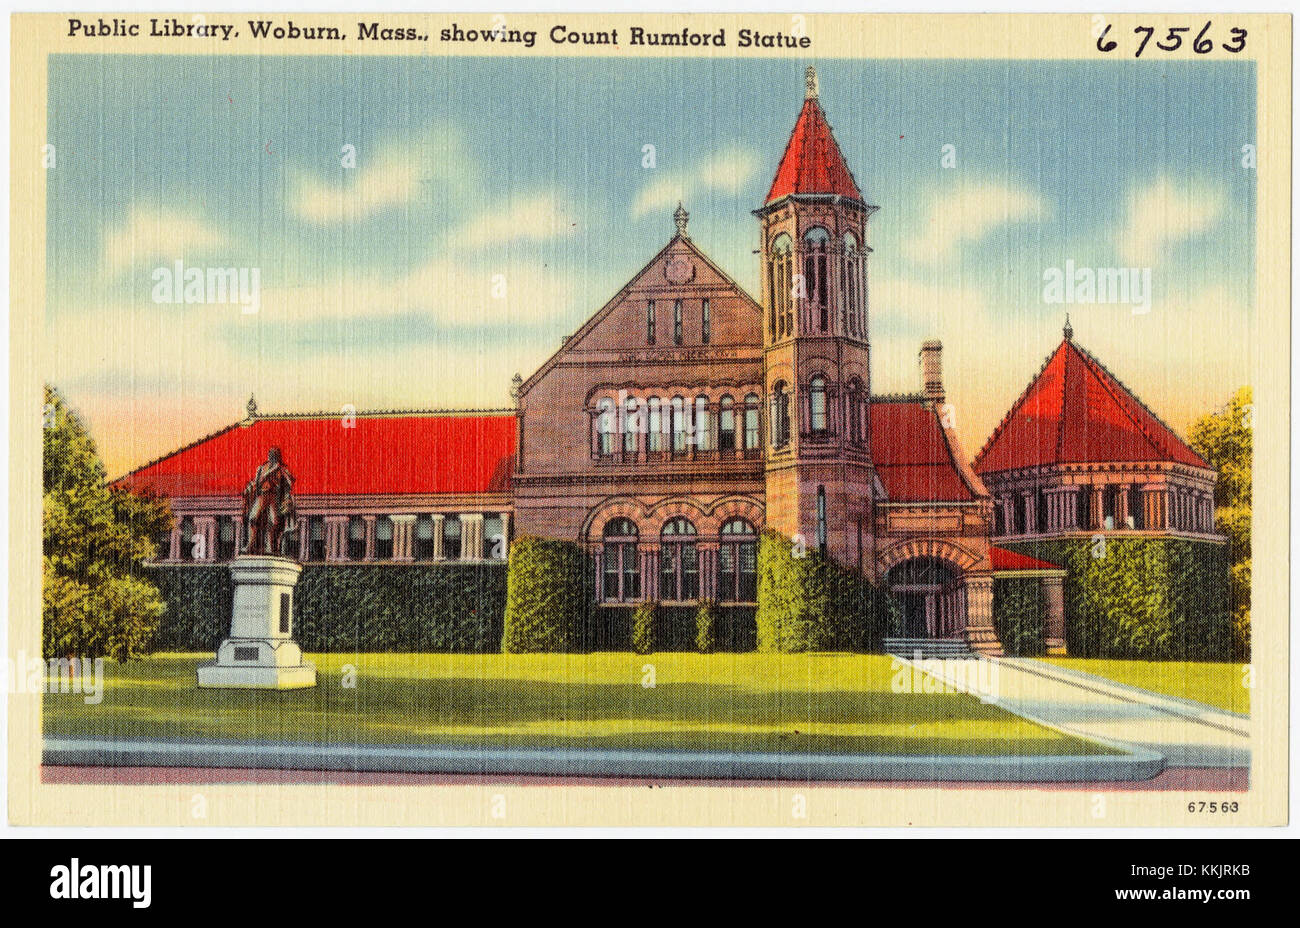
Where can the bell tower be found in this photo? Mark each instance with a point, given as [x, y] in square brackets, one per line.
[820, 480]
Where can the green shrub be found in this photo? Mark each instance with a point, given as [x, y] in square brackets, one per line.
[810, 603]
[1143, 598]
[706, 621]
[1020, 615]
[643, 627]
[546, 596]
[348, 607]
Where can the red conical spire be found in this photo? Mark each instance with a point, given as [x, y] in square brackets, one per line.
[812, 162]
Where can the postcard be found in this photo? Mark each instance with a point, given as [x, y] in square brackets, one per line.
[474, 419]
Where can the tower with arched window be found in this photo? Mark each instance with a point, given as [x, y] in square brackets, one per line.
[815, 344]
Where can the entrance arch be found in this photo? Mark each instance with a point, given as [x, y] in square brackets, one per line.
[932, 596]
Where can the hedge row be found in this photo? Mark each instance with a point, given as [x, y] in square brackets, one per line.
[807, 602]
[1143, 598]
[1020, 615]
[339, 607]
[672, 628]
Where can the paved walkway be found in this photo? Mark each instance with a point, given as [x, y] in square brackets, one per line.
[1185, 733]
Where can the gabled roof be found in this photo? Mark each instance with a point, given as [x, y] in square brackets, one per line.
[574, 341]
[385, 453]
[913, 456]
[1076, 412]
[813, 162]
[1004, 559]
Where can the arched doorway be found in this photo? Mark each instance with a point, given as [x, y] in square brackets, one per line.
[931, 595]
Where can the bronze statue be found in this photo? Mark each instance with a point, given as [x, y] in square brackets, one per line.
[268, 508]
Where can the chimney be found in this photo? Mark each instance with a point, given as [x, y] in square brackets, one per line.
[932, 369]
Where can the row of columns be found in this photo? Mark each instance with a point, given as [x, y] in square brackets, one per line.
[474, 545]
[1163, 507]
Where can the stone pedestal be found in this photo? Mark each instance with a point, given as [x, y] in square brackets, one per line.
[260, 652]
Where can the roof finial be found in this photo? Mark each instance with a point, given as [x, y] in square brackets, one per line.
[679, 219]
[810, 82]
[1069, 330]
[251, 407]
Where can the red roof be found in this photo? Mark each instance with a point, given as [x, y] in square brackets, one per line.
[1013, 560]
[383, 454]
[913, 458]
[812, 162]
[1077, 412]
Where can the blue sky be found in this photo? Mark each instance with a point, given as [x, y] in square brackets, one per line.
[377, 281]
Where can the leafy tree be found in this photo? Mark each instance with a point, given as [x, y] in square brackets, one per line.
[643, 627]
[95, 603]
[1224, 439]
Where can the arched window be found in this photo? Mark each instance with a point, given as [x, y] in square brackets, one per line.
[738, 562]
[816, 284]
[655, 429]
[679, 562]
[780, 415]
[780, 282]
[605, 427]
[703, 427]
[726, 424]
[679, 426]
[751, 422]
[817, 405]
[620, 562]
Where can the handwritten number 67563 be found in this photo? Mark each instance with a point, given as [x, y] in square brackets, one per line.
[1201, 45]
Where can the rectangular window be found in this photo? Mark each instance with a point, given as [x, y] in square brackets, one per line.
[422, 544]
[631, 428]
[650, 323]
[677, 322]
[384, 538]
[748, 586]
[690, 572]
[188, 539]
[668, 572]
[705, 324]
[605, 428]
[751, 427]
[225, 537]
[821, 520]
[679, 427]
[631, 571]
[726, 426]
[495, 541]
[356, 539]
[451, 538]
[655, 431]
[316, 538]
[727, 574]
[611, 566]
[703, 427]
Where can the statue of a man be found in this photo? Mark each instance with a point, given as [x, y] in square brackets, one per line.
[268, 507]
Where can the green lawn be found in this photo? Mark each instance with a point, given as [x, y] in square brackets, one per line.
[1213, 684]
[829, 703]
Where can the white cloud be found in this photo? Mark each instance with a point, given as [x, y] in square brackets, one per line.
[151, 234]
[394, 176]
[728, 172]
[536, 218]
[1162, 215]
[968, 215]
